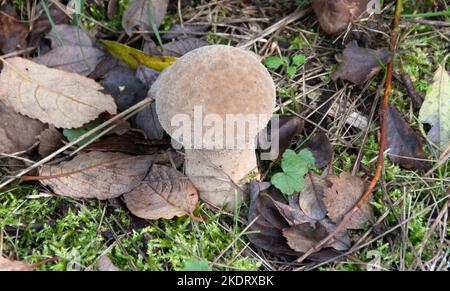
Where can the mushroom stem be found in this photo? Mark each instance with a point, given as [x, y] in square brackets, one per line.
[221, 176]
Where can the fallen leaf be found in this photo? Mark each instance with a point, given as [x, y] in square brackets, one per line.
[404, 145]
[74, 59]
[105, 265]
[70, 35]
[178, 48]
[165, 193]
[360, 64]
[75, 133]
[342, 195]
[302, 237]
[335, 15]
[137, 16]
[63, 99]
[435, 110]
[135, 57]
[17, 132]
[42, 25]
[128, 144]
[126, 89]
[50, 140]
[147, 120]
[321, 149]
[9, 265]
[96, 175]
[310, 199]
[12, 33]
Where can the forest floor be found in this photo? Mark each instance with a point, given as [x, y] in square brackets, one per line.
[410, 230]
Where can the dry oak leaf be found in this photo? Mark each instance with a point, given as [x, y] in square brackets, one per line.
[342, 195]
[164, 193]
[17, 132]
[100, 175]
[66, 100]
[9, 265]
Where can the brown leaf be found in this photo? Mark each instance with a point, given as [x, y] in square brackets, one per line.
[335, 15]
[105, 265]
[360, 64]
[42, 26]
[17, 132]
[403, 143]
[342, 195]
[96, 175]
[178, 48]
[164, 193]
[74, 59]
[9, 265]
[321, 149]
[148, 121]
[136, 17]
[310, 199]
[302, 237]
[50, 140]
[12, 33]
[63, 99]
[70, 35]
[129, 143]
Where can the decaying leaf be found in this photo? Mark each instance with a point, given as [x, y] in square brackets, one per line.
[126, 89]
[138, 17]
[178, 48]
[342, 195]
[147, 120]
[360, 64]
[50, 140]
[321, 149]
[98, 175]
[404, 145]
[135, 57]
[17, 132]
[302, 237]
[310, 199]
[9, 265]
[335, 15]
[42, 25]
[74, 59]
[12, 33]
[435, 110]
[128, 143]
[165, 193]
[63, 99]
[70, 35]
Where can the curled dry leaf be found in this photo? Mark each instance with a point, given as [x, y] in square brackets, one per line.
[360, 64]
[342, 195]
[17, 132]
[136, 17]
[12, 33]
[335, 15]
[9, 265]
[63, 99]
[98, 175]
[165, 193]
[404, 145]
[50, 140]
[321, 149]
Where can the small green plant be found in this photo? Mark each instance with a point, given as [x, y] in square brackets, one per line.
[295, 166]
[291, 65]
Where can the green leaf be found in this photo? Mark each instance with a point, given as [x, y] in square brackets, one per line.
[196, 265]
[435, 110]
[135, 57]
[73, 134]
[275, 62]
[298, 59]
[295, 166]
[291, 71]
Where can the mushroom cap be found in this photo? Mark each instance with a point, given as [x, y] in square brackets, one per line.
[218, 79]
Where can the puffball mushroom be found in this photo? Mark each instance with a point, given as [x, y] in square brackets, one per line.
[335, 15]
[215, 88]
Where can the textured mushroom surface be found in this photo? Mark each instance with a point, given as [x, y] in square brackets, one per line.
[218, 79]
[335, 15]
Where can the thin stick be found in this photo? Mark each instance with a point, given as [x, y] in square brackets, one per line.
[383, 139]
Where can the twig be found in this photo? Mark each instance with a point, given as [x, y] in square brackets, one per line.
[383, 139]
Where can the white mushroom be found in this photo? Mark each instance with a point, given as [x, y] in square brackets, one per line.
[213, 87]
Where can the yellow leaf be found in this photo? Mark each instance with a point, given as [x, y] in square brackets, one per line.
[135, 57]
